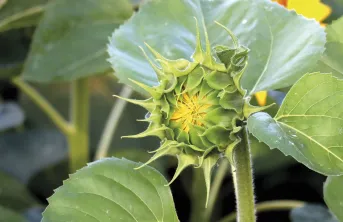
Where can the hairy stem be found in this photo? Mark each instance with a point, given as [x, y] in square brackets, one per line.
[44, 105]
[217, 182]
[275, 205]
[112, 123]
[79, 111]
[243, 181]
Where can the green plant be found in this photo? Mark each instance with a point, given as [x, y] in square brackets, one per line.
[198, 64]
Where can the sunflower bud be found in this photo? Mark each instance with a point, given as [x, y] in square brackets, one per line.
[199, 107]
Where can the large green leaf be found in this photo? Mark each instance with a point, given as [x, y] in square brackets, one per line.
[308, 125]
[8, 215]
[70, 41]
[331, 60]
[20, 13]
[266, 160]
[111, 190]
[281, 52]
[14, 195]
[333, 195]
[312, 213]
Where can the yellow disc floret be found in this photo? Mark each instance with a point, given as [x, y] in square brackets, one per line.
[189, 111]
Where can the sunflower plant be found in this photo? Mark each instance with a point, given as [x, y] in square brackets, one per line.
[199, 63]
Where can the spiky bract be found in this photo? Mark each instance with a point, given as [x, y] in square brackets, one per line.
[198, 108]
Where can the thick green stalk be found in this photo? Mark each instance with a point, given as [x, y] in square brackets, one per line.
[243, 181]
[274, 205]
[78, 138]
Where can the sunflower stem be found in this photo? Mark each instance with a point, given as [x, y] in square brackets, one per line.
[274, 205]
[243, 181]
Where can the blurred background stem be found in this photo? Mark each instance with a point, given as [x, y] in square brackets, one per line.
[76, 130]
[215, 188]
[198, 196]
[78, 138]
[112, 123]
[43, 104]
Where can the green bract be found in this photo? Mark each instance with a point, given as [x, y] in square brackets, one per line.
[198, 108]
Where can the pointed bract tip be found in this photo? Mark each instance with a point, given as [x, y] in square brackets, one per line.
[158, 71]
[233, 37]
[198, 55]
[141, 166]
[154, 52]
[148, 89]
[208, 59]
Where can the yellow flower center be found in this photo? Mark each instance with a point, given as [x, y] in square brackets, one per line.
[189, 111]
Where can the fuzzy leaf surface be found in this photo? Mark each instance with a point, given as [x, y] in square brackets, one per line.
[280, 51]
[111, 190]
[70, 41]
[308, 125]
[333, 195]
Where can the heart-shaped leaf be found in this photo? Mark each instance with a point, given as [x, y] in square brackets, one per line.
[308, 125]
[280, 51]
[20, 13]
[70, 41]
[112, 190]
[333, 195]
[312, 213]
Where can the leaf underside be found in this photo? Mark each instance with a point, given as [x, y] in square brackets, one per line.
[273, 34]
[70, 41]
[308, 125]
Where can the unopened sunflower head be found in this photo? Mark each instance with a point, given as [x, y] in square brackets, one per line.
[199, 108]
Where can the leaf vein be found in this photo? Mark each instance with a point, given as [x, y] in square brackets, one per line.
[131, 191]
[312, 140]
